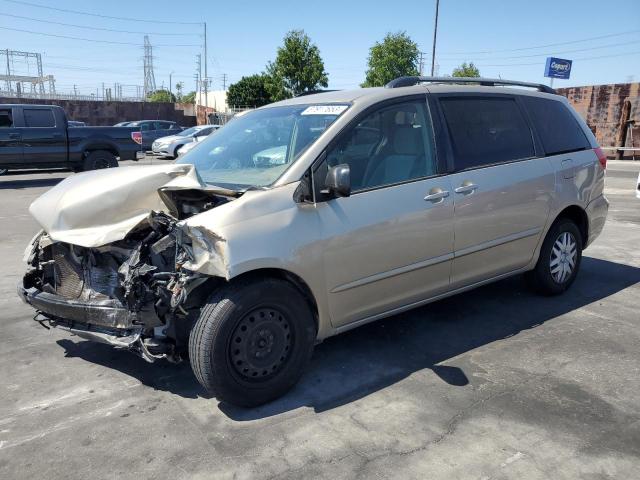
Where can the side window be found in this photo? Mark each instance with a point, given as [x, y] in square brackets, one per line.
[6, 118]
[558, 129]
[391, 145]
[145, 127]
[39, 117]
[204, 132]
[486, 130]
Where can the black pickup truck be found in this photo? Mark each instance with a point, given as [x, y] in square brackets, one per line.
[38, 136]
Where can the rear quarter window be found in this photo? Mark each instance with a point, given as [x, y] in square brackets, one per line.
[558, 129]
[486, 130]
[39, 117]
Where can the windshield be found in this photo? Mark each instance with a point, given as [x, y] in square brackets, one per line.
[255, 149]
[188, 131]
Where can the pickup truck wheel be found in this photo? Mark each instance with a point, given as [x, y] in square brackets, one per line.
[3, 171]
[99, 159]
[252, 341]
[559, 260]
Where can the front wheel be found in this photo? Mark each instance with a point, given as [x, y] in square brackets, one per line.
[252, 341]
[3, 171]
[559, 260]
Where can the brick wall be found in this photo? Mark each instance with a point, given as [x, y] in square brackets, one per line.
[601, 107]
[110, 113]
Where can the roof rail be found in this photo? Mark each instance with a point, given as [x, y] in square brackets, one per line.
[313, 92]
[489, 82]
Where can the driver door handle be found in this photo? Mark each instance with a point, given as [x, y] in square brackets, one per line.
[466, 188]
[436, 194]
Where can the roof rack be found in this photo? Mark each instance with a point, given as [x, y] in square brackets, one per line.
[489, 82]
[313, 92]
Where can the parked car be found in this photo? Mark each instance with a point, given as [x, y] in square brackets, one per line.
[168, 146]
[75, 123]
[38, 136]
[122, 124]
[189, 146]
[154, 129]
[638, 187]
[315, 215]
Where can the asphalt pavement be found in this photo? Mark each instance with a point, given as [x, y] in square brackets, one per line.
[494, 383]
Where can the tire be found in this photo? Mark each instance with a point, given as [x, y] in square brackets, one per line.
[3, 171]
[554, 273]
[252, 341]
[99, 159]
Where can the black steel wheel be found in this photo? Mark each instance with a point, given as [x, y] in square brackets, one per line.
[252, 341]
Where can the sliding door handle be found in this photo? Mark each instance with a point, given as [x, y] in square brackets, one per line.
[436, 195]
[466, 187]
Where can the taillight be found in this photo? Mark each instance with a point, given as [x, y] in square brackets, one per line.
[601, 157]
[137, 137]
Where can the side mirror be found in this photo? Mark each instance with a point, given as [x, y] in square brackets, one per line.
[338, 181]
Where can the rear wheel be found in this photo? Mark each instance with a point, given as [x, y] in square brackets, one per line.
[559, 260]
[252, 341]
[99, 159]
[3, 171]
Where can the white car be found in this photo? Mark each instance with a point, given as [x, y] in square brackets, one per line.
[168, 146]
[638, 187]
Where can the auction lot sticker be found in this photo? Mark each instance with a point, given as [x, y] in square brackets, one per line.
[324, 110]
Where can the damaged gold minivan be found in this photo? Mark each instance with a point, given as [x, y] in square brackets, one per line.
[315, 215]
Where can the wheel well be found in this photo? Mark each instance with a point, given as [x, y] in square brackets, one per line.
[108, 148]
[287, 276]
[578, 216]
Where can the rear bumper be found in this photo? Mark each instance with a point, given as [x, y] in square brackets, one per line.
[597, 213]
[105, 313]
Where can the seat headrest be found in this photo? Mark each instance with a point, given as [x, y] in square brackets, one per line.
[408, 141]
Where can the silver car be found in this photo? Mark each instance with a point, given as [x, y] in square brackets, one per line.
[170, 146]
[313, 216]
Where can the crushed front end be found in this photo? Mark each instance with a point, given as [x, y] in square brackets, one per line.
[133, 293]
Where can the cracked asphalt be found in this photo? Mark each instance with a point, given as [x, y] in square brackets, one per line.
[496, 383]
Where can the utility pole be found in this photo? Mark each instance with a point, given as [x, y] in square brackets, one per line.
[435, 36]
[421, 64]
[75, 92]
[199, 77]
[170, 91]
[224, 81]
[206, 76]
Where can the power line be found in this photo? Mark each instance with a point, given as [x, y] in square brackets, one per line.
[574, 60]
[95, 28]
[554, 52]
[93, 40]
[547, 45]
[129, 19]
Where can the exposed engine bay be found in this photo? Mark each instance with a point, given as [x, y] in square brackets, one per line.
[136, 293]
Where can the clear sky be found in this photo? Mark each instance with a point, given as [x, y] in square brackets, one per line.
[244, 35]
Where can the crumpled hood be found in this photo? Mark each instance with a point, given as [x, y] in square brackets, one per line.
[95, 208]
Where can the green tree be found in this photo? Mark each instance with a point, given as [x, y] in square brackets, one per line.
[179, 88]
[161, 96]
[189, 97]
[395, 57]
[249, 91]
[466, 70]
[298, 67]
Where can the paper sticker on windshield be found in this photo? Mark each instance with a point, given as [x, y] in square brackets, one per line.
[324, 110]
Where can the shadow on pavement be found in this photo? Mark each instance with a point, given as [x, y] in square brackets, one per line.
[6, 184]
[355, 364]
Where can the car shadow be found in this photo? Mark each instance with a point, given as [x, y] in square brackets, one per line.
[360, 362]
[10, 183]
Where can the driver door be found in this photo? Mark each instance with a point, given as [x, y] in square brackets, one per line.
[389, 244]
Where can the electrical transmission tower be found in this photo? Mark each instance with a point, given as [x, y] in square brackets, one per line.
[149, 77]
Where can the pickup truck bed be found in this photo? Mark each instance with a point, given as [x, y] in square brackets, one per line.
[37, 136]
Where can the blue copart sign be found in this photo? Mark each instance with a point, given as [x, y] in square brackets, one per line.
[557, 68]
